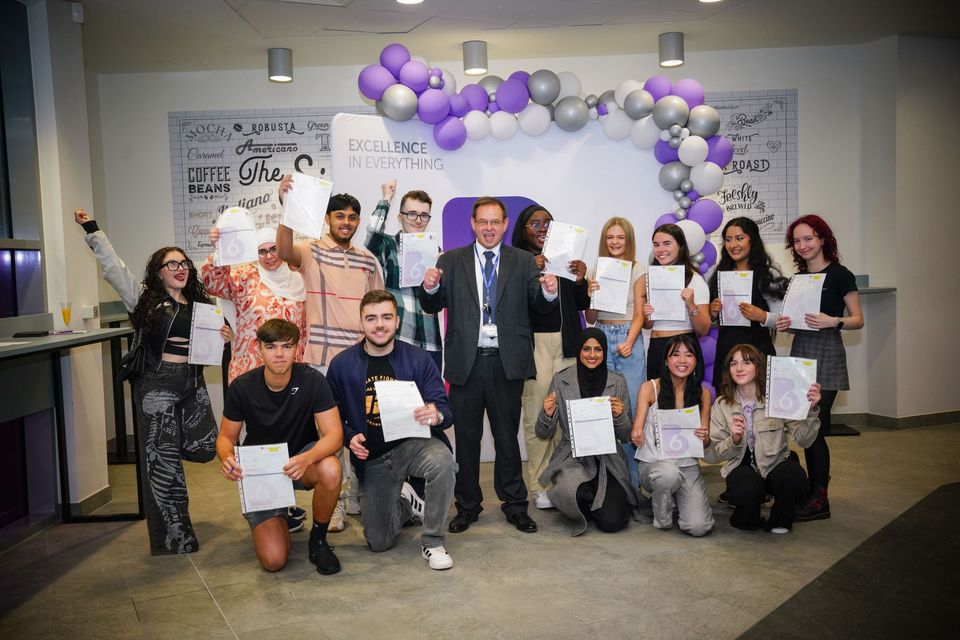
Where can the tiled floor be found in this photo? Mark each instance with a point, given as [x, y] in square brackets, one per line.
[99, 581]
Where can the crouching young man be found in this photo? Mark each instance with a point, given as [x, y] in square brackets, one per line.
[286, 401]
[386, 501]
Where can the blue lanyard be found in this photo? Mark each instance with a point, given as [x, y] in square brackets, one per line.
[487, 282]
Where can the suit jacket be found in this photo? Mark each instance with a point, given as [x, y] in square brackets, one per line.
[518, 288]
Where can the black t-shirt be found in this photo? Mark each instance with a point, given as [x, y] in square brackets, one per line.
[279, 416]
[378, 368]
[839, 282]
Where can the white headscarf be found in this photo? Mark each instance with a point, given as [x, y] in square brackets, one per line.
[283, 282]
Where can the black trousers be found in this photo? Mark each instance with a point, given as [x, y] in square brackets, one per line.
[817, 455]
[487, 389]
[614, 513]
[746, 489]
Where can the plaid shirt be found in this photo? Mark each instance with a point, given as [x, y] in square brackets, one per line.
[417, 327]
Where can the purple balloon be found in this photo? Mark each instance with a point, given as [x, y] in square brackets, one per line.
[690, 90]
[707, 372]
[710, 389]
[663, 153]
[393, 57]
[602, 109]
[714, 332]
[374, 80]
[667, 218]
[450, 134]
[493, 107]
[658, 87]
[458, 105]
[719, 151]
[707, 213]
[433, 105]
[522, 76]
[436, 71]
[708, 346]
[703, 268]
[512, 95]
[415, 75]
[693, 195]
[476, 97]
[709, 252]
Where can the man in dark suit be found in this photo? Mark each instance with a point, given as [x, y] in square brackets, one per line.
[488, 289]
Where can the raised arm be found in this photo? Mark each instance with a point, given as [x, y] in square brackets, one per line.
[286, 250]
[115, 271]
[217, 280]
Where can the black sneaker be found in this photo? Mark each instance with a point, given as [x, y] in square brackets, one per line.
[815, 509]
[321, 555]
[724, 498]
[297, 513]
[294, 525]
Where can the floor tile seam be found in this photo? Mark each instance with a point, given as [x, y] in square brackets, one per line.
[216, 603]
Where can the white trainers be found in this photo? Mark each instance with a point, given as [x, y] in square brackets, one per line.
[780, 530]
[336, 519]
[542, 501]
[416, 502]
[352, 505]
[437, 557]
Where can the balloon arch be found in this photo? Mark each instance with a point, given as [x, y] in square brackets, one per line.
[671, 119]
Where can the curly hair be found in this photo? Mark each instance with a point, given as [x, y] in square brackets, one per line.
[154, 293]
[820, 229]
[768, 278]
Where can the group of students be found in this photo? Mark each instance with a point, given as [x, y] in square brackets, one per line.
[318, 323]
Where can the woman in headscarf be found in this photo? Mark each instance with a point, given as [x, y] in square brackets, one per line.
[591, 488]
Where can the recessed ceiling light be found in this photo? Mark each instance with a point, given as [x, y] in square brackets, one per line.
[409, 1]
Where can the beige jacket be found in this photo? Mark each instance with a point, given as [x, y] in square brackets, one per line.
[771, 446]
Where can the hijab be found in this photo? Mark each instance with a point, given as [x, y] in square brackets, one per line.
[592, 381]
[283, 282]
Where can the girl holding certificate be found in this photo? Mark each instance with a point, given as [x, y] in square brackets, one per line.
[757, 458]
[814, 250]
[670, 248]
[556, 337]
[743, 251]
[593, 488]
[171, 405]
[674, 481]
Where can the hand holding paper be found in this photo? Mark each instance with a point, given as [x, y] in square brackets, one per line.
[305, 204]
[564, 244]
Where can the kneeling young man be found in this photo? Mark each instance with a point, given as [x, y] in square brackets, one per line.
[386, 501]
[286, 401]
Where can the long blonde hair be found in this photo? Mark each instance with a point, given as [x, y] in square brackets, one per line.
[630, 244]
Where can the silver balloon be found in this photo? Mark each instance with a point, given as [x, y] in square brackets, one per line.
[677, 194]
[699, 257]
[608, 98]
[681, 214]
[674, 143]
[684, 202]
[571, 113]
[686, 186]
[551, 108]
[379, 107]
[664, 135]
[434, 82]
[672, 174]
[670, 110]
[704, 121]
[684, 133]
[638, 104]
[399, 102]
[591, 100]
[675, 130]
[544, 86]
[490, 83]
[493, 96]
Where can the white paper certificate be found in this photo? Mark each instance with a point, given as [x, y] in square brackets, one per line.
[206, 343]
[264, 485]
[591, 427]
[565, 242]
[803, 297]
[305, 205]
[788, 380]
[397, 400]
[735, 287]
[238, 238]
[418, 252]
[676, 433]
[664, 284]
[613, 276]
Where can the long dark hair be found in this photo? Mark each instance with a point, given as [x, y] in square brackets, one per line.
[154, 293]
[820, 229]
[519, 237]
[767, 277]
[684, 256]
[728, 388]
[666, 399]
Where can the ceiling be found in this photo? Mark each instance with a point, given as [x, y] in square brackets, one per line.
[189, 35]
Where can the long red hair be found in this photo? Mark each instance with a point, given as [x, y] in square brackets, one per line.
[820, 229]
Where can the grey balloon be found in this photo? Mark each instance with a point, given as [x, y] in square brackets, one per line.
[434, 82]
[379, 106]
[493, 96]
[704, 121]
[571, 113]
[674, 143]
[490, 83]
[551, 109]
[609, 98]
[670, 110]
[684, 202]
[399, 102]
[686, 186]
[699, 257]
[544, 86]
[638, 104]
[677, 194]
[591, 100]
[675, 130]
[681, 214]
[672, 174]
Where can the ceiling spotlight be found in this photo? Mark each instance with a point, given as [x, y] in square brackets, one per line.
[475, 57]
[419, 1]
[280, 65]
[671, 49]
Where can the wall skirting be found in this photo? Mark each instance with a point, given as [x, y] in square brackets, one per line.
[92, 502]
[907, 422]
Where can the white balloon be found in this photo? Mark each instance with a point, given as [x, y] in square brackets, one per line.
[477, 124]
[569, 85]
[623, 90]
[694, 234]
[593, 114]
[645, 133]
[693, 151]
[503, 125]
[665, 135]
[685, 133]
[423, 60]
[617, 125]
[449, 82]
[534, 120]
[707, 178]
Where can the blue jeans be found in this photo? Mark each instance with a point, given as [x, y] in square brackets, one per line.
[634, 370]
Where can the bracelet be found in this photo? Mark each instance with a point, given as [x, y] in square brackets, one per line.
[839, 325]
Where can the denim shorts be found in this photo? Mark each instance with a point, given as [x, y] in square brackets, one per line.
[256, 517]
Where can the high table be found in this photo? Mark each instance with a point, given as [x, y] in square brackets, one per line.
[25, 361]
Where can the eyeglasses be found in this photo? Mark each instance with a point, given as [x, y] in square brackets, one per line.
[488, 223]
[415, 216]
[173, 265]
[537, 225]
[263, 253]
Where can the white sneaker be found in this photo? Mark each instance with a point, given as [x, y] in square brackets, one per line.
[336, 519]
[437, 557]
[542, 501]
[780, 530]
[416, 503]
[352, 506]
